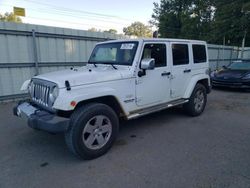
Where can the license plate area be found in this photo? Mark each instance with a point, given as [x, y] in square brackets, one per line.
[25, 110]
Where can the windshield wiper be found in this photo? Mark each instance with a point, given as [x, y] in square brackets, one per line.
[107, 63]
[112, 65]
[92, 63]
[104, 63]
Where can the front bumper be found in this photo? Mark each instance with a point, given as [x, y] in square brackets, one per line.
[40, 119]
[230, 84]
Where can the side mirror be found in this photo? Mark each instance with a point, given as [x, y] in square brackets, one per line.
[224, 67]
[148, 64]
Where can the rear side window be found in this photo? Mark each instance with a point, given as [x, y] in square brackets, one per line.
[180, 54]
[199, 53]
[156, 51]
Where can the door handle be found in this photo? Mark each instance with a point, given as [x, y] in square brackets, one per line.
[187, 70]
[165, 73]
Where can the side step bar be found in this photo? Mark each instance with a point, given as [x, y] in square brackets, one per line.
[142, 112]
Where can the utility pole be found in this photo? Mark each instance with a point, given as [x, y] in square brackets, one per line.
[223, 50]
[245, 34]
[243, 44]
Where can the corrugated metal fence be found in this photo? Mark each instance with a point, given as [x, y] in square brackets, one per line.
[27, 50]
[220, 55]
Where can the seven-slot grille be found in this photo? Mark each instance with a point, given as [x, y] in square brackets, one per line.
[40, 92]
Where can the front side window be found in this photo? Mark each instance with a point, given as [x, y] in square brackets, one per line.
[157, 52]
[119, 53]
[180, 54]
[199, 53]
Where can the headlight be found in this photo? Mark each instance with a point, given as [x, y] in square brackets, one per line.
[246, 77]
[54, 94]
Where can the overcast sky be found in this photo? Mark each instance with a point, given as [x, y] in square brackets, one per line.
[83, 14]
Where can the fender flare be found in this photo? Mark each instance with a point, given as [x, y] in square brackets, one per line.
[84, 94]
[194, 80]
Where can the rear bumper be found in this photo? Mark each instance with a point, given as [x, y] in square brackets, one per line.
[40, 119]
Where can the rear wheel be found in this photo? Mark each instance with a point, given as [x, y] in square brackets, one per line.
[93, 129]
[197, 101]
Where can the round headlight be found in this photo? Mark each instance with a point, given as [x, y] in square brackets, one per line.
[54, 94]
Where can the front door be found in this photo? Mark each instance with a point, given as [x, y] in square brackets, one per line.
[154, 86]
[181, 69]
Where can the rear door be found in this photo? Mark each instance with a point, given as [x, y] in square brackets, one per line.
[181, 68]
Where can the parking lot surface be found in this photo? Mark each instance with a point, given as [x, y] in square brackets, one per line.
[165, 149]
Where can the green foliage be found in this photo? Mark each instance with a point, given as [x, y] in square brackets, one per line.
[138, 29]
[112, 31]
[210, 20]
[93, 29]
[231, 21]
[10, 17]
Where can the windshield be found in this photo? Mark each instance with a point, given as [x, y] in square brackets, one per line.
[118, 53]
[239, 66]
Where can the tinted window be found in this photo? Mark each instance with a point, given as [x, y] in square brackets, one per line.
[156, 51]
[199, 53]
[180, 54]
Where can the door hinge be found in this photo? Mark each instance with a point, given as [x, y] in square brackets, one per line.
[137, 82]
[172, 92]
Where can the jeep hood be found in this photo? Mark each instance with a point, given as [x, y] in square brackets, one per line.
[85, 75]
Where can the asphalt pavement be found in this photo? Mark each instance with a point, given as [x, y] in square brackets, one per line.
[166, 149]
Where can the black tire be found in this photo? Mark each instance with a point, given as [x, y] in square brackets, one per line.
[190, 107]
[74, 137]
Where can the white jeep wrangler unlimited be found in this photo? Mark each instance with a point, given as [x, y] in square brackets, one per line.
[123, 79]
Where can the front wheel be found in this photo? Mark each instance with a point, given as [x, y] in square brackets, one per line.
[197, 101]
[93, 129]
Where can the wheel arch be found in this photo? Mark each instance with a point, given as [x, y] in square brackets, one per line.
[109, 100]
[204, 80]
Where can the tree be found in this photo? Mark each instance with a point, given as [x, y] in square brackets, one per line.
[10, 17]
[138, 29]
[112, 31]
[93, 29]
[183, 18]
[212, 20]
[232, 21]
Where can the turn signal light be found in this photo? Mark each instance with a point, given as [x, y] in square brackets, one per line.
[73, 103]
